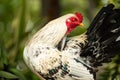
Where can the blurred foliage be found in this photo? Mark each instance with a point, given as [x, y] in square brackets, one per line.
[19, 19]
[112, 71]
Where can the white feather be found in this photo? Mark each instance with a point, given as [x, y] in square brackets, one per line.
[53, 32]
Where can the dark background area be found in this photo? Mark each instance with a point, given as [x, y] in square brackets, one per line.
[20, 19]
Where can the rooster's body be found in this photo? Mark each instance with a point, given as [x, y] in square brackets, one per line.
[42, 54]
[77, 57]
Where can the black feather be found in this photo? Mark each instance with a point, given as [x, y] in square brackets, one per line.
[103, 36]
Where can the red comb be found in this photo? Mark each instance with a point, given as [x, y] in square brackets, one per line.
[79, 16]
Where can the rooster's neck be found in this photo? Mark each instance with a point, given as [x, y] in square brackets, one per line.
[51, 34]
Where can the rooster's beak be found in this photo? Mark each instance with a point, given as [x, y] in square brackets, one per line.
[81, 25]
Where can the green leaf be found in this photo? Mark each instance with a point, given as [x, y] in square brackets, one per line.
[8, 75]
[19, 74]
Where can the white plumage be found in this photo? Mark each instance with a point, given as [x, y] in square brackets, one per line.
[43, 57]
[52, 56]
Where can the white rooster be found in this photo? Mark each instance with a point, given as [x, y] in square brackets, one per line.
[41, 54]
[52, 56]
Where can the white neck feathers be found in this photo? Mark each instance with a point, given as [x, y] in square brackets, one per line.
[53, 32]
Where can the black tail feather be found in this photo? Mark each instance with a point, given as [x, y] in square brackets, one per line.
[103, 36]
[99, 17]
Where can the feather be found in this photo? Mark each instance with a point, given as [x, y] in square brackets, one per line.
[102, 36]
[76, 67]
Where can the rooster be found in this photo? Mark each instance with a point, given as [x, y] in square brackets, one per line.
[53, 56]
[42, 55]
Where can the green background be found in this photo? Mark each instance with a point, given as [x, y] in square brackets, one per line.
[20, 19]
